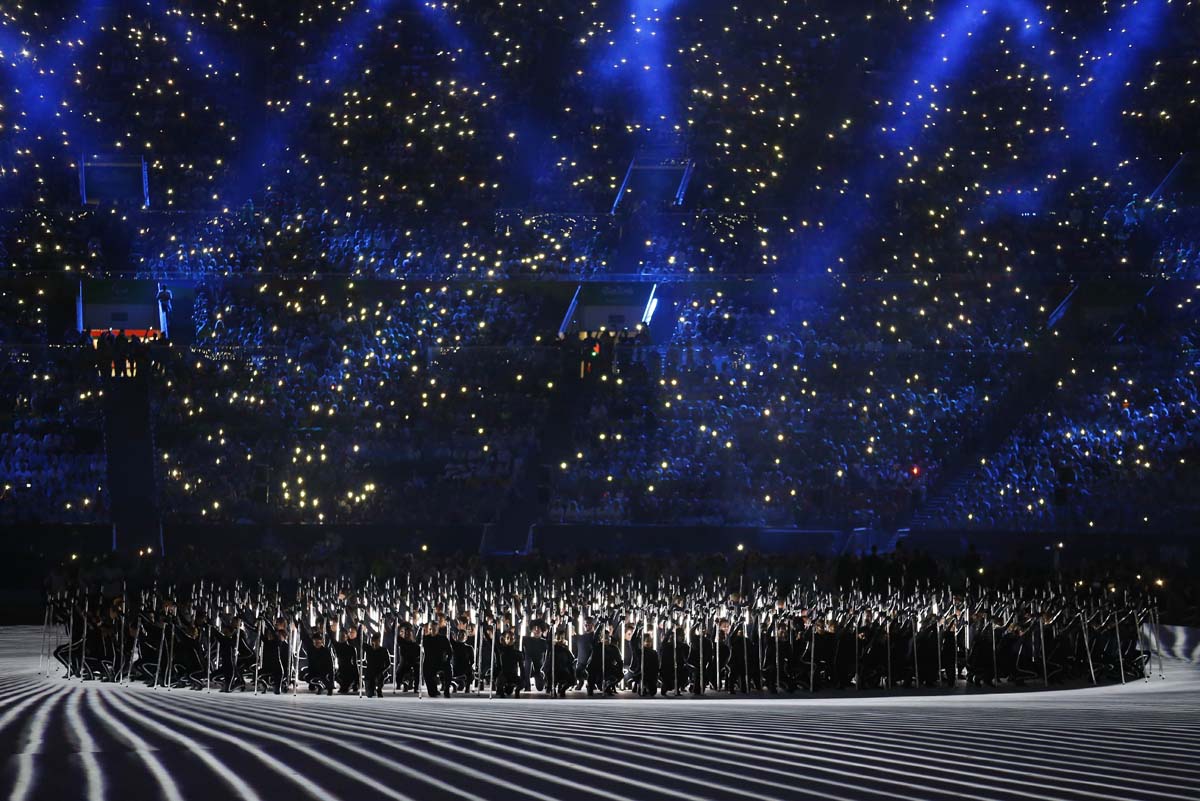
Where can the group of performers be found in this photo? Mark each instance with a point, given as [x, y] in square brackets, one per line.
[506, 637]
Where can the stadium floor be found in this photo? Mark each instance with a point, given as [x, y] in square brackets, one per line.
[89, 741]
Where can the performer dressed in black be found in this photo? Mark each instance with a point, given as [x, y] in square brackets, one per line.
[378, 665]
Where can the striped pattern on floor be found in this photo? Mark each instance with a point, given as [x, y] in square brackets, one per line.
[73, 740]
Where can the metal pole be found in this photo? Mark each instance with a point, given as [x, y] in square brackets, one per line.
[888, 636]
[121, 639]
[137, 639]
[937, 621]
[857, 678]
[777, 686]
[995, 665]
[362, 662]
[295, 651]
[812, 657]
[954, 639]
[675, 659]
[746, 651]
[162, 643]
[478, 654]
[396, 655]
[1137, 631]
[717, 655]
[1087, 647]
[492, 669]
[1158, 643]
[1120, 650]
[762, 652]
[258, 654]
[421, 662]
[916, 647]
[71, 641]
[171, 659]
[1042, 637]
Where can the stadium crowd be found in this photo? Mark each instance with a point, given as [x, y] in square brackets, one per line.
[892, 226]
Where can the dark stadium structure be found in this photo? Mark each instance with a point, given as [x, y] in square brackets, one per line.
[625, 399]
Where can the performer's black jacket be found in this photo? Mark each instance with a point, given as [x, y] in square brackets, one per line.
[347, 655]
[320, 660]
[464, 657]
[437, 652]
[559, 665]
[649, 675]
[583, 644]
[508, 662]
[605, 662]
[379, 659]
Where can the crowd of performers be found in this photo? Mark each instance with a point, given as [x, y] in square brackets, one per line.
[534, 635]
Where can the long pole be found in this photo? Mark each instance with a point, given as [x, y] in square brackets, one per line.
[937, 628]
[492, 668]
[395, 655]
[675, 658]
[857, 678]
[954, 678]
[777, 684]
[362, 662]
[717, 654]
[1042, 637]
[162, 640]
[296, 660]
[887, 631]
[420, 662]
[812, 657]
[258, 652]
[1137, 629]
[1158, 642]
[1087, 647]
[1120, 650]
[170, 677]
[71, 641]
[761, 642]
[478, 652]
[745, 632]
[83, 638]
[995, 664]
[121, 640]
[916, 647]
[137, 639]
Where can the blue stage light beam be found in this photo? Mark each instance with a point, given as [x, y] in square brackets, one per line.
[39, 90]
[345, 50]
[1091, 107]
[639, 53]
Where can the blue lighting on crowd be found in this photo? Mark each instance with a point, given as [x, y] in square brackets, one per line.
[639, 54]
